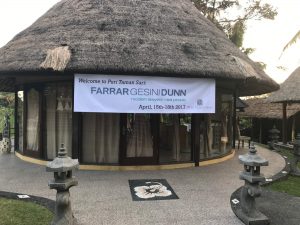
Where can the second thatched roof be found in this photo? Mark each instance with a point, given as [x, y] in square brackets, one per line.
[260, 108]
[289, 90]
[156, 38]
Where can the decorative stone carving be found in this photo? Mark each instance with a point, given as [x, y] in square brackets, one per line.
[62, 167]
[5, 144]
[274, 137]
[246, 209]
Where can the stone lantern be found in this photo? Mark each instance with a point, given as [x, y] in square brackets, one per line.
[246, 211]
[273, 136]
[62, 166]
[5, 143]
[294, 168]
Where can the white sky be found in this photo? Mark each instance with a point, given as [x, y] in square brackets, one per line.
[267, 37]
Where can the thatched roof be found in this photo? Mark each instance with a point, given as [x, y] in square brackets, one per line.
[260, 108]
[289, 90]
[157, 38]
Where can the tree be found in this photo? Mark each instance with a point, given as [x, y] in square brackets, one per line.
[231, 16]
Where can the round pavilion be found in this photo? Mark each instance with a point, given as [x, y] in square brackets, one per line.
[159, 41]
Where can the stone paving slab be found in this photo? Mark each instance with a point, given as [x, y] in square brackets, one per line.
[103, 197]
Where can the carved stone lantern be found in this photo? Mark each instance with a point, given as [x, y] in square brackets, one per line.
[62, 166]
[294, 168]
[5, 143]
[273, 136]
[247, 211]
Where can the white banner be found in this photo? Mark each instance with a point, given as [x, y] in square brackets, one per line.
[143, 94]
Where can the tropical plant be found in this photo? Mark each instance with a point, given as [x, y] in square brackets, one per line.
[292, 41]
[231, 16]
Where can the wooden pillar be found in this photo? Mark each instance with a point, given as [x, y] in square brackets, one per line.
[260, 130]
[16, 125]
[293, 127]
[284, 123]
[76, 136]
[252, 128]
[196, 137]
[76, 133]
[234, 120]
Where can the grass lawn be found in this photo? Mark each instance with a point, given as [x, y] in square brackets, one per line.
[292, 184]
[16, 212]
[289, 154]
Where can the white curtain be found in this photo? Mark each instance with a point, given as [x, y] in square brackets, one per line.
[140, 138]
[64, 129]
[50, 125]
[58, 118]
[33, 120]
[101, 134]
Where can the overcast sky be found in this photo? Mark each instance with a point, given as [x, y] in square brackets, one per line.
[267, 37]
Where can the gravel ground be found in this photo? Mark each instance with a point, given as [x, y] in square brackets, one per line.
[103, 197]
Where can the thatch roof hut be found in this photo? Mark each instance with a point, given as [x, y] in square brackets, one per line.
[158, 37]
[113, 38]
[260, 108]
[265, 115]
[289, 90]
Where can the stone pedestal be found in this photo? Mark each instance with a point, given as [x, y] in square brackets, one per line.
[62, 167]
[243, 203]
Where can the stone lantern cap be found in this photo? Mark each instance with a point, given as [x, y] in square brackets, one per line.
[62, 163]
[274, 130]
[252, 159]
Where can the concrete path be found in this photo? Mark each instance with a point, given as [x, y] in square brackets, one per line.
[104, 197]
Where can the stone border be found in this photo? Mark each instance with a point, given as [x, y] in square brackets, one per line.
[47, 203]
[181, 165]
[282, 175]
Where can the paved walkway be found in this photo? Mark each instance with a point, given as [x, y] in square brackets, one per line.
[103, 197]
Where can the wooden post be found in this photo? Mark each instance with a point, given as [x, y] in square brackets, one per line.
[16, 125]
[293, 127]
[196, 120]
[234, 119]
[284, 123]
[260, 130]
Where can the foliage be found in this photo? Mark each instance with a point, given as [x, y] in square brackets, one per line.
[292, 41]
[292, 184]
[282, 68]
[245, 123]
[232, 15]
[248, 51]
[262, 65]
[16, 212]
[6, 107]
[288, 153]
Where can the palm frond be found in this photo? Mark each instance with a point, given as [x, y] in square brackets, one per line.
[292, 41]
